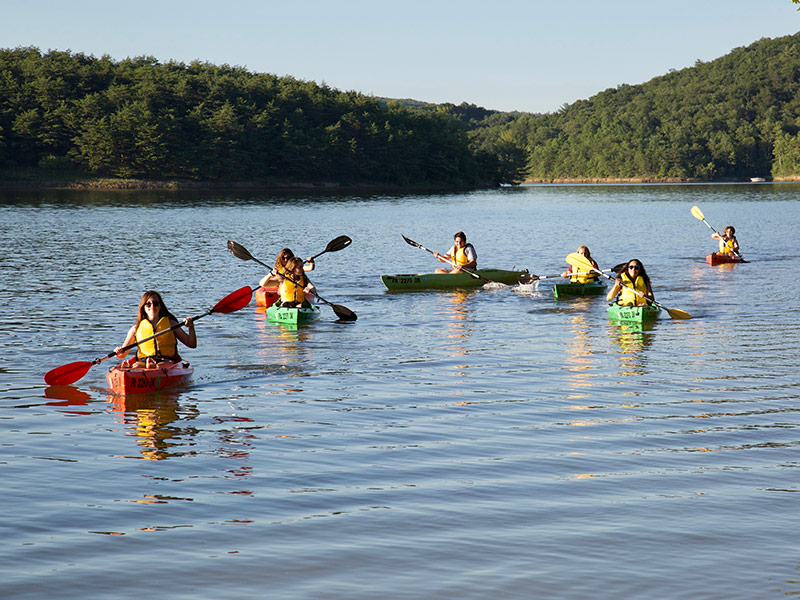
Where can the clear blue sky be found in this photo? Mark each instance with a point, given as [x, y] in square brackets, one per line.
[527, 55]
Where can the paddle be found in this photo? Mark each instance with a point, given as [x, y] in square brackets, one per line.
[576, 260]
[527, 278]
[344, 313]
[473, 274]
[698, 214]
[72, 372]
[336, 244]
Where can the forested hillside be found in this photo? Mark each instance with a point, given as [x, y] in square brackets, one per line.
[732, 118]
[139, 118]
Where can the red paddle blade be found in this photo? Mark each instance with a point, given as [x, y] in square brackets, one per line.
[67, 374]
[234, 301]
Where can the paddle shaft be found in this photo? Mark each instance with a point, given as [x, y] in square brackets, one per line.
[570, 275]
[334, 245]
[581, 262]
[152, 337]
[697, 213]
[342, 312]
[474, 274]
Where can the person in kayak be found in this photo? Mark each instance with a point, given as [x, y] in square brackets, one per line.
[294, 286]
[584, 277]
[634, 277]
[274, 277]
[462, 255]
[728, 244]
[153, 317]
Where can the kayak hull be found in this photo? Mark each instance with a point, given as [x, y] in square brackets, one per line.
[591, 288]
[449, 281]
[639, 314]
[266, 296]
[291, 316]
[715, 258]
[124, 379]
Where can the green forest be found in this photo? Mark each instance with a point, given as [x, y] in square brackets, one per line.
[732, 118]
[138, 118]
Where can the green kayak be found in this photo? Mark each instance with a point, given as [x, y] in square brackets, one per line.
[449, 281]
[291, 316]
[633, 313]
[590, 288]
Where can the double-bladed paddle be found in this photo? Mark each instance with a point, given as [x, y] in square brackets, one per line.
[473, 274]
[336, 244]
[698, 214]
[72, 372]
[580, 262]
[344, 313]
[527, 278]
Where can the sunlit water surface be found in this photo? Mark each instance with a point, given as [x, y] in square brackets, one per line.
[489, 443]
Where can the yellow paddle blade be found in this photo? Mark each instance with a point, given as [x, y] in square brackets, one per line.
[697, 213]
[677, 313]
[580, 261]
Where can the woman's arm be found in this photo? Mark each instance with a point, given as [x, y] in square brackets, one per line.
[128, 341]
[615, 289]
[189, 339]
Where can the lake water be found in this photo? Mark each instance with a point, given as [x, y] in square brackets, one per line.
[489, 443]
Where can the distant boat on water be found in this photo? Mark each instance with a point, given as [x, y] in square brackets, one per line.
[757, 179]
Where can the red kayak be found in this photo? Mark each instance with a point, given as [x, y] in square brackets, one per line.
[125, 379]
[715, 258]
[266, 296]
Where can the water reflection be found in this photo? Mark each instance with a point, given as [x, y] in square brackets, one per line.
[578, 361]
[147, 417]
[290, 340]
[68, 395]
[459, 325]
[632, 340]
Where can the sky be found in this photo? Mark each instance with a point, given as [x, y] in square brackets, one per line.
[508, 55]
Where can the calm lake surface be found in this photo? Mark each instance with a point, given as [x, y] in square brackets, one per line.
[484, 444]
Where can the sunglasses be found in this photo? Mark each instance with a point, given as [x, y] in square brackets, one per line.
[634, 267]
[152, 303]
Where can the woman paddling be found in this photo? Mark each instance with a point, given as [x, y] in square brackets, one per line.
[153, 317]
[274, 277]
[583, 277]
[462, 255]
[728, 244]
[634, 277]
[295, 286]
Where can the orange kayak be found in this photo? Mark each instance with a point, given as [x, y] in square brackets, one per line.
[715, 258]
[125, 379]
[266, 296]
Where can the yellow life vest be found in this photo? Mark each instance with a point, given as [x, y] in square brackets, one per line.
[459, 257]
[583, 278]
[165, 344]
[726, 246]
[627, 296]
[292, 293]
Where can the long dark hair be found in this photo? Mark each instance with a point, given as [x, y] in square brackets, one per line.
[642, 273]
[151, 295]
[291, 265]
[284, 254]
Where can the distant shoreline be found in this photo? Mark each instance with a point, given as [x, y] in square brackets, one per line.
[33, 181]
[82, 183]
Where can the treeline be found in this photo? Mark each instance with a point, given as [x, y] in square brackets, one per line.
[732, 118]
[143, 119]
